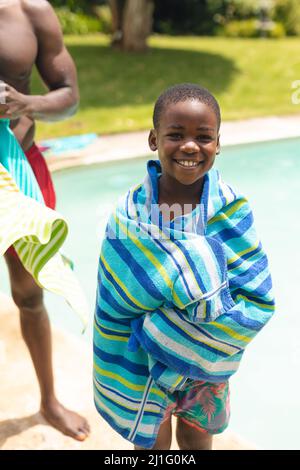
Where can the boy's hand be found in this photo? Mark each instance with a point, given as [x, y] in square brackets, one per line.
[12, 103]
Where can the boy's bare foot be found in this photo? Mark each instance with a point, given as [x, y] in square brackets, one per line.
[66, 421]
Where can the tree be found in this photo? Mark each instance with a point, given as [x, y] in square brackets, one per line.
[131, 23]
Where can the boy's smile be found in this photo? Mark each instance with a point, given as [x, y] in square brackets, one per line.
[187, 141]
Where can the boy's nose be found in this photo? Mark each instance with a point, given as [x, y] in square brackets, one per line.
[190, 146]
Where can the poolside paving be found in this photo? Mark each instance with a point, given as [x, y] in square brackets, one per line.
[116, 147]
[23, 428]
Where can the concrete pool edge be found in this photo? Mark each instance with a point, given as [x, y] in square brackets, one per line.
[125, 146]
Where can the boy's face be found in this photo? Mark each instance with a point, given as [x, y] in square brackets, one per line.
[187, 140]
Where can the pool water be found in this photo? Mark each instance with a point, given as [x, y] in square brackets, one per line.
[264, 392]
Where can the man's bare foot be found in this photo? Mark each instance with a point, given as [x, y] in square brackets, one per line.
[66, 421]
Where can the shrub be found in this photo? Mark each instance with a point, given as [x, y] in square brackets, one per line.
[226, 11]
[252, 28]
[77, 6]
[277, 31]
[104, 16]
[77, 23]
[288, 12]
[183, 17]
[241, 29]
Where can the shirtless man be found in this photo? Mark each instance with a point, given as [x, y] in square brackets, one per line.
[30, 34]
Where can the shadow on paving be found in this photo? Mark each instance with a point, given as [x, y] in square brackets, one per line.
[13, 427]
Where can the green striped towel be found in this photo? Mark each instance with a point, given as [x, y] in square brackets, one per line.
[36, 232]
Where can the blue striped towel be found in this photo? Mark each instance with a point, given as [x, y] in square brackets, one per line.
[174, 303]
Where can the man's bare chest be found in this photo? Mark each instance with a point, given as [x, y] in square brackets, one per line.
[18, 49]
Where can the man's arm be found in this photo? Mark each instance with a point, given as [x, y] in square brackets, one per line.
[55, 66]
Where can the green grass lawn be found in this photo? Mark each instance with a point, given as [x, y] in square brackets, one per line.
[250, 77]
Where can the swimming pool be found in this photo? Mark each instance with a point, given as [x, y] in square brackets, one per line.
[265, 403]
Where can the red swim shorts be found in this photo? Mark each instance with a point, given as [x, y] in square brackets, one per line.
[43, 177]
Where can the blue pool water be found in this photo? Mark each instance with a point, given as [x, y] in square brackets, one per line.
[265, 399]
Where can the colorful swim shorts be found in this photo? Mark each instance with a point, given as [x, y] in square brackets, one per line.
[202, 405]
[43, 177]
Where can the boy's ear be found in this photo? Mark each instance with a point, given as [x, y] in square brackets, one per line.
[152, 140]
[218, 145]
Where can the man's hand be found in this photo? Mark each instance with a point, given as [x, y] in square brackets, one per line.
[12, 103]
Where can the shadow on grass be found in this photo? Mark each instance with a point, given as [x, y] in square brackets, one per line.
[109, 78]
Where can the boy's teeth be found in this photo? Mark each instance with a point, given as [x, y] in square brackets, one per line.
[187, 163]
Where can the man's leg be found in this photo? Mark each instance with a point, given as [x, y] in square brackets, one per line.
[36, 332]
[164, 437]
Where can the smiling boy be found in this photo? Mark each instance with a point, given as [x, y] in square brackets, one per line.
[186, 134]
[178, 300]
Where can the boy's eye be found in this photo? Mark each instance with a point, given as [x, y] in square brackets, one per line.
[205, 138]
[175, 136]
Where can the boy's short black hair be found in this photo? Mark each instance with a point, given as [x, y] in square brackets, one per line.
[182, 92]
